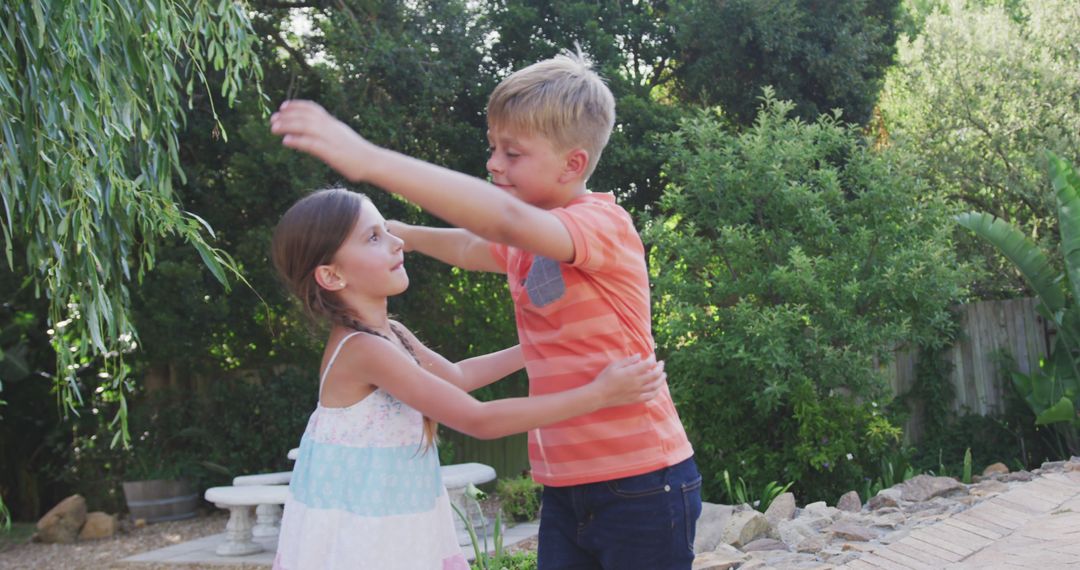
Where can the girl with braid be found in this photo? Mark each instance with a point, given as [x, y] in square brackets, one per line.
[366, 491]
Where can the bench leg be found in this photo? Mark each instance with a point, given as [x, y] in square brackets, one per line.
[267, 521]
[238, 533]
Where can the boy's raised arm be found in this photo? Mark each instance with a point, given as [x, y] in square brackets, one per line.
[461, 200]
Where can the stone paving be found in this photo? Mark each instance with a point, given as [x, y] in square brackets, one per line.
[201, 551]
[1034, 526]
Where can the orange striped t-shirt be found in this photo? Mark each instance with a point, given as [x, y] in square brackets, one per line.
[573, 319]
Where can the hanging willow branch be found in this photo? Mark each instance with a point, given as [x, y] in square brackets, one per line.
[92, 98]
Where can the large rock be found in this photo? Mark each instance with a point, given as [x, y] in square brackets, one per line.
[98, 525]
[710, 526]
[723, 558]
[988, 487]
[925, 487]
[821, 510]
[888, 520]
[813, 544]
[795, 531]
[744, 527]
[995, 469]
[1023, 476]
[62, 523]
[781, 509]
[886, 498]
[849, 531]
[762, 544]
[850, 502]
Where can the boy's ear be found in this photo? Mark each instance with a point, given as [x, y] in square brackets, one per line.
[328, 278]
[577, 161]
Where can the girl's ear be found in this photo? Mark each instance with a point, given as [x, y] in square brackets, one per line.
[577, 161]
[328, 278]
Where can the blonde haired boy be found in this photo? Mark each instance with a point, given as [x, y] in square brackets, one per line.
[621, 487]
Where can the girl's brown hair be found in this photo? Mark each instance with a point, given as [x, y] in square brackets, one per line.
[308, 235]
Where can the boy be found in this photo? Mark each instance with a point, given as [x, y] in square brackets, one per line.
[622, 491]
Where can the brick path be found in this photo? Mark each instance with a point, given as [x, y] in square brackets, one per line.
[1034, 526]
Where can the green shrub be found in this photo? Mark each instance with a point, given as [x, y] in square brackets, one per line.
[515, 561]
[520, 497]
[789, 262]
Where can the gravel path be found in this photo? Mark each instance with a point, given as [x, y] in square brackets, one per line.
[107, 553]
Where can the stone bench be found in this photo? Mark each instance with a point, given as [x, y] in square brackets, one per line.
[456, 478]
[249, 490]
[239, 502]
[268, 515]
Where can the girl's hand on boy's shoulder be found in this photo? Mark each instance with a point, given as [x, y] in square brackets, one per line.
[307, 127]
[630, 380]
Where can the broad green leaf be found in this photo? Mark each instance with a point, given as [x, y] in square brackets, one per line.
[1028, 258]
[211, 261]
[1022, 382]
[1067, 188]
[1062, 411]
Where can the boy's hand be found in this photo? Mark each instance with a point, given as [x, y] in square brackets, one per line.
[401, 230]
[630, 380]
[307, 127]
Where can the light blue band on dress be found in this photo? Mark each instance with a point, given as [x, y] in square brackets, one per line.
[366, 481]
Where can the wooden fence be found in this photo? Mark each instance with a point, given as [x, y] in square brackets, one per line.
[988, 330]
[508, 455]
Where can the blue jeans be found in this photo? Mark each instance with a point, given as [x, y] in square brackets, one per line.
[644, 522]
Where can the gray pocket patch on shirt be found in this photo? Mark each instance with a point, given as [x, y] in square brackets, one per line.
[544, 283]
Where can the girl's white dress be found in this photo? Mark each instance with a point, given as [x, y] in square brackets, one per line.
[366, 494]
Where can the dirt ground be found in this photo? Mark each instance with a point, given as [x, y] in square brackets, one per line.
[107, 553]
[22, 554]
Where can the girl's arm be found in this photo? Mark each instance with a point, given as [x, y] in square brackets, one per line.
[453, 246]
[626, 381]
[469, 374]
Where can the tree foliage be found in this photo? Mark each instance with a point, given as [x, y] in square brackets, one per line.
[633, 48]
[980, 93]
[789, 261]
[90, 150]
[820, 55]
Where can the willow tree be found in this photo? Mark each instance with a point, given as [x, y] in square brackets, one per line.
[92, 97]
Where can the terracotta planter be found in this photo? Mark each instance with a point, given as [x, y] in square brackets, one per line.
[159, 500]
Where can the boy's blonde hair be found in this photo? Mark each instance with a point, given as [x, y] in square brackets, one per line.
[561, 99]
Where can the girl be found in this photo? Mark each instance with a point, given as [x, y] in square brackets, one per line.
[366, 492]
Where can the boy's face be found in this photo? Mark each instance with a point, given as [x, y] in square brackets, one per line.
[528, 167]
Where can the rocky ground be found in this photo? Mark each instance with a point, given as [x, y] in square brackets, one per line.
[818, 536]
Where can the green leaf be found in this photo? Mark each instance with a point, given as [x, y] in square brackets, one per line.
[1032, 262]
[211, 260]
[39, 18]
[1067, 188]
[1062, 411]
[1023, 383]
[204, 223]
